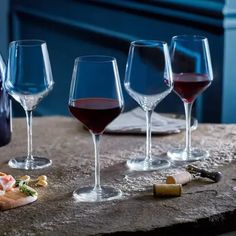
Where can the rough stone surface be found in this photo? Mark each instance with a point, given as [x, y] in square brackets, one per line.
[204, 206]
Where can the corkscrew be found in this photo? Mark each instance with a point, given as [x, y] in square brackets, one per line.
[213, 175]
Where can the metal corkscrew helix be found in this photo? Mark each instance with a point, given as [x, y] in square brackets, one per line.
[213, 175]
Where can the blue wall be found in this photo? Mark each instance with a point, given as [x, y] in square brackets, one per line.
[78, 27]
[4, 33]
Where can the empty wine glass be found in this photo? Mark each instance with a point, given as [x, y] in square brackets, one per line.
[192, 74]
[96, 99]
[148, 80]
[28, 80]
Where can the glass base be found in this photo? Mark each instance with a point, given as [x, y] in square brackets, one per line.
[181, 155]
[89, 194]
[23, 163]
[140, 164]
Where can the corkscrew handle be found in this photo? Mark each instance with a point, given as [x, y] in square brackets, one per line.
[213, 175]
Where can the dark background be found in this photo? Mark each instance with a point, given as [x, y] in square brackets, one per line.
[73, 28]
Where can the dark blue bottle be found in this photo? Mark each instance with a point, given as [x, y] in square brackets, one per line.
[5, 110]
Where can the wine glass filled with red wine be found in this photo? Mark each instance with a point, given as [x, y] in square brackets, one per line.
[96, 99]
[192, 74]
[148, 80]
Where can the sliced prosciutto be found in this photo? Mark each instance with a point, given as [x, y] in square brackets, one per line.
[6, 183]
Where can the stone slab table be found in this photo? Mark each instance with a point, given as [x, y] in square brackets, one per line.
[204, 208]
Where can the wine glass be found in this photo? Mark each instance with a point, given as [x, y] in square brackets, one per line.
[96, 99]
[148, 80]
[28, 80]
[192, 74]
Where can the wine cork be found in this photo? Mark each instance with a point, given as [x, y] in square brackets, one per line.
[181, 178]
[167, 190]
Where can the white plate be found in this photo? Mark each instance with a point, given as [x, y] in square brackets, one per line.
[133, 122]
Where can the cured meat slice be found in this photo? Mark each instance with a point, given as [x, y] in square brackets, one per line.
[6, 183]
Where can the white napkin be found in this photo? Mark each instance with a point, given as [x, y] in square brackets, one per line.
[134, 121]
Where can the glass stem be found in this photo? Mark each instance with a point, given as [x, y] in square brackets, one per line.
[188, 109]
[148, 136]
[96, 141]
[29, 135]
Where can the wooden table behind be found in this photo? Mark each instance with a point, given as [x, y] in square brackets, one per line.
[204, 207]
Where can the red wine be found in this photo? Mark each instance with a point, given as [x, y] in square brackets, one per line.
[189, 85]
[95, 113]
